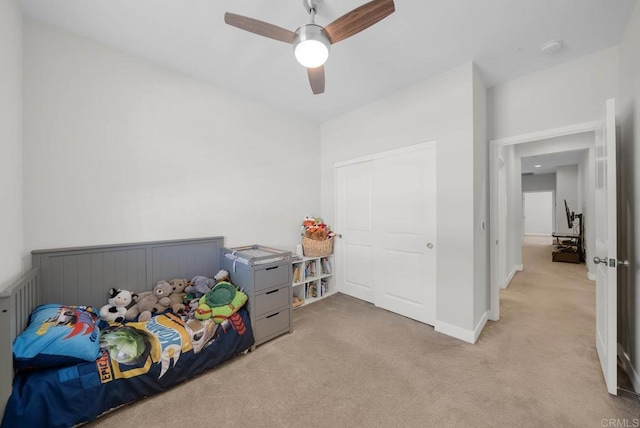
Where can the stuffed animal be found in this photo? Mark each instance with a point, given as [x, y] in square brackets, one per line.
[178, 295]
[315, 228]
[149, 303]
[199, 286]
[308, 221]
[204, 311]
[220, 303]
[116, 309]
[222, 275]
[317, 235]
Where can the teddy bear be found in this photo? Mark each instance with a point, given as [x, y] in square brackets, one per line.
[178, 295]
[149, 303]
[116, 308]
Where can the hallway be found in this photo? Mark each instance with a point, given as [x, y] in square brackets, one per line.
[554, 305]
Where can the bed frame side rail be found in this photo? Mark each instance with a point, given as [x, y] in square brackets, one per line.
[16, 304]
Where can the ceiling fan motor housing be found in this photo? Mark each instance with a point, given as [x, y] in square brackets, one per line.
[311, 46]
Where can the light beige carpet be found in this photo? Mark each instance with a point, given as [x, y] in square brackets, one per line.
[351, 364]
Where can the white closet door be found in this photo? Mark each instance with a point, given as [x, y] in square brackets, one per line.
[386, 214]
[405, 228]
[355, 253]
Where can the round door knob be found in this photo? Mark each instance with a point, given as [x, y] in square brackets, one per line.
[429, 245]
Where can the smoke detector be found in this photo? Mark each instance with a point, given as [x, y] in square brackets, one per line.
[551, 47]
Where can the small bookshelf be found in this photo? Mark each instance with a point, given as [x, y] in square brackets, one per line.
[312, 279]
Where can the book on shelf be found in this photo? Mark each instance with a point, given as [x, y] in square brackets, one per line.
[326, 266]
[310, 290]
[309, 269]
[297, 274]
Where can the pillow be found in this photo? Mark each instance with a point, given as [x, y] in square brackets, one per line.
[57, 335]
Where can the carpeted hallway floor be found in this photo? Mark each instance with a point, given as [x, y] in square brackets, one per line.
[351, 364]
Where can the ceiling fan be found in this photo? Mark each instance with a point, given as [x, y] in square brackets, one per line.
[311, 42]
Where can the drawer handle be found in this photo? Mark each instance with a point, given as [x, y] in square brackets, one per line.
[273, 315]
[272, 291]
[272, 267]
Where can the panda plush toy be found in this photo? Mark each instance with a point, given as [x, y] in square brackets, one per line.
[116, 309]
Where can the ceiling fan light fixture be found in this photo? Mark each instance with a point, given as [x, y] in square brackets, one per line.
[311, 46]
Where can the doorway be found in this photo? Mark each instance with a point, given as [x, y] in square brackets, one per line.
[603, 185]
[506, 254]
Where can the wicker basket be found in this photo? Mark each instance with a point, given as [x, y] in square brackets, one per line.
[313, 248]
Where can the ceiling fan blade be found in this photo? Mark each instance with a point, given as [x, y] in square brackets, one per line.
[316, 79]
[259, 27]
[359, 19]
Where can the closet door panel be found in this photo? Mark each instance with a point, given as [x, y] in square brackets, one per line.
[355, 253]
[404, 224]
[385, 211]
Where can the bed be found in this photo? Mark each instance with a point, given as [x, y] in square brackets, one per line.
[168, 351]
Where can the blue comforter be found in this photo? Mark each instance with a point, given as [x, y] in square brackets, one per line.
[137, 360]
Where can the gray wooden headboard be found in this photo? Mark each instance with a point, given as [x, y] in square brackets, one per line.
[83, 276]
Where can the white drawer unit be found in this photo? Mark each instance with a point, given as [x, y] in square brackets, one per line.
[264, 274]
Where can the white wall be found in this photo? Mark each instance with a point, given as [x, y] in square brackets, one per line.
[587, 206]
[118, 149]
[538, 213]
[514, 211]
[539, 182]
[11, 226]
[629, 196]
[566, 189]
[482, 290]
[574, 92]
[439, 109]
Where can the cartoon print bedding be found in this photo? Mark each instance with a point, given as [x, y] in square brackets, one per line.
[136, 360]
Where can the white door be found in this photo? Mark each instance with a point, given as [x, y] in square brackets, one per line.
[404, 218]
[538, 213]
[605, 248]
[355, 253]
[385, 211]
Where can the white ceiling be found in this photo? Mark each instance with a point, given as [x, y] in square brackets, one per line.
[421, 39]
[549, 163]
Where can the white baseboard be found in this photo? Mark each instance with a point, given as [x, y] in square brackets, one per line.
[480, 326]
[538, 234]
[516, 268]
[591, 276]
[628, 367]
[454, 331]
[462, 333]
